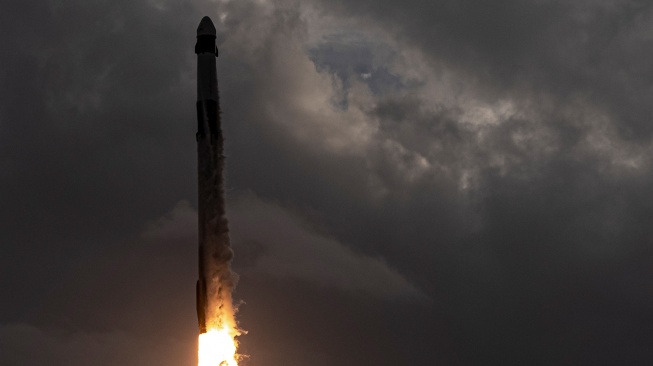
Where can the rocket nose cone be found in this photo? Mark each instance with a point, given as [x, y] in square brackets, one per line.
[206, 27]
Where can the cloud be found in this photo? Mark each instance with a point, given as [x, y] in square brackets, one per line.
[179, 224]
[284, 246]
[494, 156]
[278, 243]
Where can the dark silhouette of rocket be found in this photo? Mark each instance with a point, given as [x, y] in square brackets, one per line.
[210, 163]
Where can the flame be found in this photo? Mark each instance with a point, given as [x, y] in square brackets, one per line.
[217, 347]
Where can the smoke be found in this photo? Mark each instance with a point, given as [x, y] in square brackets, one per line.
[216, 276]
[222, 280]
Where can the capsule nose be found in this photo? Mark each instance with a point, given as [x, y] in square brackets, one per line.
[206, 27]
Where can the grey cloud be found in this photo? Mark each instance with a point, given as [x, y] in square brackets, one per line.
[180, 223]
[497, 157]
[286, 247]
[277, 243]
[567, 48]
[548, 180]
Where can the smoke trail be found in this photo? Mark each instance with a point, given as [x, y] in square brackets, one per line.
[215, 247]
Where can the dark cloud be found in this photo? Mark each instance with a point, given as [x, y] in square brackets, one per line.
[493, 158]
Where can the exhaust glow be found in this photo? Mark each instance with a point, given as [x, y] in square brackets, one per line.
[217, 347]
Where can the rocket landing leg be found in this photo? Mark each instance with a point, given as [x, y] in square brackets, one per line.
[200, 293]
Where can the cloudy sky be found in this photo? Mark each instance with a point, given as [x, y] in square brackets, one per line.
[409, 182]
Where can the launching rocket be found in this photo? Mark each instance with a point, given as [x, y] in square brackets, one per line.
[210, 163]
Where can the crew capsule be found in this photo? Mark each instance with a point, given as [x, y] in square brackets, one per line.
[206, 37]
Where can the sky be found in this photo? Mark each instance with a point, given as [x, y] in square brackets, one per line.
[408, 182]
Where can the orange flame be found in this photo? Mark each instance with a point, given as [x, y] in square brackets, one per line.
[217, 347]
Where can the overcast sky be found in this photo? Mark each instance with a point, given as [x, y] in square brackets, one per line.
[409, 182]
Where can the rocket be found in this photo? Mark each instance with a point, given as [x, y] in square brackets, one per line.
[210, 163]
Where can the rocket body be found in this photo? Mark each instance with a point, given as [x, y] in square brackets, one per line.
[212, 224]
